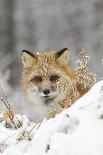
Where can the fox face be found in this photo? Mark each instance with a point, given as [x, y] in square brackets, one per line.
[47, 79]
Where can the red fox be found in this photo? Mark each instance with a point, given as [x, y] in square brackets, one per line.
[48, 81]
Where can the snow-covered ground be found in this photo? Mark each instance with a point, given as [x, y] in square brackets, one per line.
[78, 130]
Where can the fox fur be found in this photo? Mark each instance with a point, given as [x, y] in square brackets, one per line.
[49, 82]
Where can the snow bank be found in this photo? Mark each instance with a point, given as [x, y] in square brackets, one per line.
[78, 130]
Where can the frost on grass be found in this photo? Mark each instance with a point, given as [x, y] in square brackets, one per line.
[85, 78]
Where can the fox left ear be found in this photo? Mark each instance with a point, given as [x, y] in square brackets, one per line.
[62, 56]
[28, 58]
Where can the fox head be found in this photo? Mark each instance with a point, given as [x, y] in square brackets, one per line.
[46, 76]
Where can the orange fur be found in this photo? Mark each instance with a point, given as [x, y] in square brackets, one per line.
[43, 66]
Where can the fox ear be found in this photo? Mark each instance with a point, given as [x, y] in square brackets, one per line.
[62, 56]
[28, 58]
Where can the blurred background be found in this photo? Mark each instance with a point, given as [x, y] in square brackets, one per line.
[38, 25]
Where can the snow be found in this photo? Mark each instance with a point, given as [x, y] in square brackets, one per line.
[77, 130]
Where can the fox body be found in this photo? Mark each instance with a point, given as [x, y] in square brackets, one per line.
[48, 81]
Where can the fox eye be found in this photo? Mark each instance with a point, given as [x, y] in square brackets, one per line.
[54, 78]
[37, 79]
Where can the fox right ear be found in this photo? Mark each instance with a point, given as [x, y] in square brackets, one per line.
[62, 56]
[28, 58]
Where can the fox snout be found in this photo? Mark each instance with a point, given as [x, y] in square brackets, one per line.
[46, 91]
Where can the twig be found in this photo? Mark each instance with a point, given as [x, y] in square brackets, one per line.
[18, 120]
[9, 116]
[9, 108]
[5, 103]
[4, 94]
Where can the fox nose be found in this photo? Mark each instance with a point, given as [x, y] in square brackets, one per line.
[46, 91]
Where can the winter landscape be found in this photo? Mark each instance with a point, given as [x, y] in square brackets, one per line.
[38, 25]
